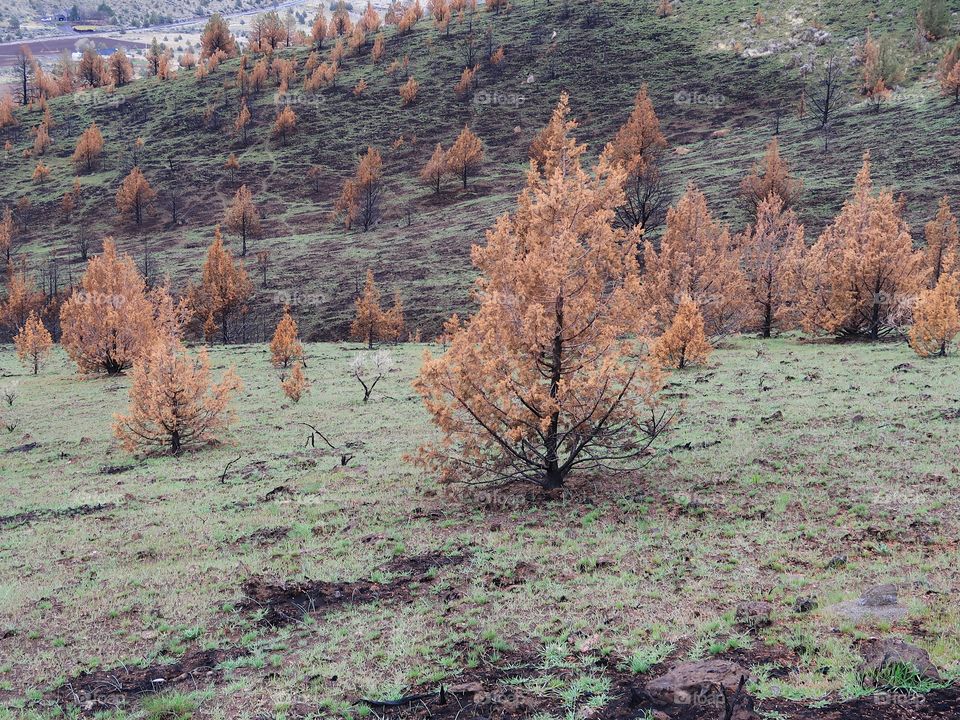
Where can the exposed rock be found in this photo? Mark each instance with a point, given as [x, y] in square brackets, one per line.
[837, 561]
[880, 653]
[805, 604]
[696, 682]
[878, 602]
[754, 614]
[879, 596]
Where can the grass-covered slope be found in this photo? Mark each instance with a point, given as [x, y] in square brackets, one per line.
[421, 248]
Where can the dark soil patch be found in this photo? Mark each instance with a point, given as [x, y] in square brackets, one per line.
[283, 603]
[13, 521]
[266, 536]
[936, 705]
[484, 693]
[106, 689]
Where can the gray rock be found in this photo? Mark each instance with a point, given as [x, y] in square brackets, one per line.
[696, 682]
[879, 596]
[879, 602]
[881, 653]
[754, 614]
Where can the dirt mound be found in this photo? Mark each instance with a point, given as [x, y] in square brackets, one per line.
[106, 689]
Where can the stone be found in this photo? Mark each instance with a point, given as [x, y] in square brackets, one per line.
[879, 596]
[881, 653]
[754, 614]
[805, 604]
[879, 602]
[696, 682]
[837, 561]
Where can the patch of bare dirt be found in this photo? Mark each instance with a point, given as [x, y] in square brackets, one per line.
[283, 603]
[108, 689]
[12, 521]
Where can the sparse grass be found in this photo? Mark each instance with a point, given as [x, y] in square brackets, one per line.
[173, 545]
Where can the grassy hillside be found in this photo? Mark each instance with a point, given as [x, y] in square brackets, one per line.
[696, 63]
[115, 571]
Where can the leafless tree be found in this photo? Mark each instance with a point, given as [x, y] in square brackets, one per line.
[371, 368]
[827, 96]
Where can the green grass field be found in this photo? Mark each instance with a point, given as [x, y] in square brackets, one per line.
[788, 454]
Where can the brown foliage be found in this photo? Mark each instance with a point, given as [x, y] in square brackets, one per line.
[22, 299]
[773, 251]
[33, 343]
[771, 176]
[108, 323]
[295, 385]
[698, 258]
[370, 322]
[863, 270]
[465, 156]
[285, 348]
[359, 199]
[936, 320]
[224, 289]
[409, 90]
[684, 343]
[637, 146]
[8, 229]
[7, 117]
[89, 148]
[285, 124]
[217, 38]
[119, 68]
[541, 381]
[242, 218]
[943, 244]
[135, 198]
[173, 405]
[432, 173]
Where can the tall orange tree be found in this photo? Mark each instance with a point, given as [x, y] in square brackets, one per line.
[174, 406]
[224, 289]
[108, 322]
[863, 270]
[684, 343]
[936, 319]
[699, 258]
[88, 150]
[217, 38]
[370, 320]
[943, 243]
[243, 219]
[771, 176]
[359, 200]
[135, 198]
[544, 380]
[33, 343]
[637, 146]
[465, 156]
[773, 250]
[285, 347]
